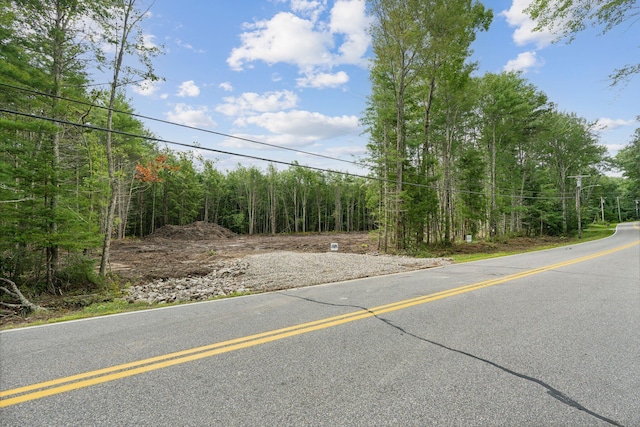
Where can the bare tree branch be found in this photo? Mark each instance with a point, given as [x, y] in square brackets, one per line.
[16, 200]
[15, 293]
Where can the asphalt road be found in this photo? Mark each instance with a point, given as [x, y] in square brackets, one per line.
[550, 338]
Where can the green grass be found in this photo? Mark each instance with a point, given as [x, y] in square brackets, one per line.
[592, 232]
[110, 307]
[459, 258]
[93, 310]
[597, 231]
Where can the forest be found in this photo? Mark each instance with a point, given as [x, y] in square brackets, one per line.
[451, 153]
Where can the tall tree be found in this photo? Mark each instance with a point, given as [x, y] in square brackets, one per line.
[419, 46]
[214, 190]
[50, 31]
[181, 188]
[628, 160]
[380, 122]
[397, 40]
[509, 107]
[272, 189]
[120, 29]
[570, 147]
[22, 182]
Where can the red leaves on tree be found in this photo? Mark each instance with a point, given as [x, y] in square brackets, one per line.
[150, 172]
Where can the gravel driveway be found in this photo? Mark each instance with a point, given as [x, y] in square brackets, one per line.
[273, 271]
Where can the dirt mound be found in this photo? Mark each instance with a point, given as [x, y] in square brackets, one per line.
[198, 230]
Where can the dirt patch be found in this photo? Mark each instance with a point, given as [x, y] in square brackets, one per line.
[199, 230]
[193, 250]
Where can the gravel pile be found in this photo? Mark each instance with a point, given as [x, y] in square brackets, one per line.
[273, 271]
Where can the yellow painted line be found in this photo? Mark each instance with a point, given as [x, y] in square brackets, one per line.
[74, 382]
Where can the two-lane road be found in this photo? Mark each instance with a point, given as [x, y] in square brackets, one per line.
[546, 338]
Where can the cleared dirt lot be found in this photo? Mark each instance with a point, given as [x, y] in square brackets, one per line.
[192, 250]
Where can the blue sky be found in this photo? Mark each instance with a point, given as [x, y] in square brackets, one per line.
[293, 73]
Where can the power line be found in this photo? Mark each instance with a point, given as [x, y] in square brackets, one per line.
[182, 144]
[36, 92]
[264, 159]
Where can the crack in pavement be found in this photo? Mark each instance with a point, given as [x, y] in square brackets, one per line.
[551, 391]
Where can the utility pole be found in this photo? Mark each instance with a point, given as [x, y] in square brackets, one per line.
[619, 216]
[578, 207]
[637, 208]
[602, 207]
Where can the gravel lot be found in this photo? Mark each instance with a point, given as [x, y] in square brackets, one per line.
[275, 270]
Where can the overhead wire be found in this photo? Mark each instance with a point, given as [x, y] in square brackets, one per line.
[166, 141]
[199, 147]
[264, 159]
[155, 119]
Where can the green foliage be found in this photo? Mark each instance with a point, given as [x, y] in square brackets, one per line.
[568, 17]
[108, 307]
[79, 272]
[184, 184]
[572, 16]
[419, 101]
[456, 154]
[628, 161]
[472, 176]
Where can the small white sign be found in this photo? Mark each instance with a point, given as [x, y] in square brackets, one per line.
[334, 246]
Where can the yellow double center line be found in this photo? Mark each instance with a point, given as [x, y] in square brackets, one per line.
[74, 382]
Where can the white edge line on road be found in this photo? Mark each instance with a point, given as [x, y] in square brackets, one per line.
[220, 300]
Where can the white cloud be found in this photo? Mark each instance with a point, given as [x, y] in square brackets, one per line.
[308, 43]
[191, 116]
[242, 141]
[607, 124]
[323, 80]
[305, 127]
[613, 148]
[293, 128]
[524, 62]
[310, 8]
[285, 38]
[226, 86]
[524, 33]
[349, 18]
[307, 5]
[251, 103]
[146, 88]
[147, 41]
[297, 129]
[188, 88]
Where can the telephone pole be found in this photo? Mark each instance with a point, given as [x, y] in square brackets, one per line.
[578, 207]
